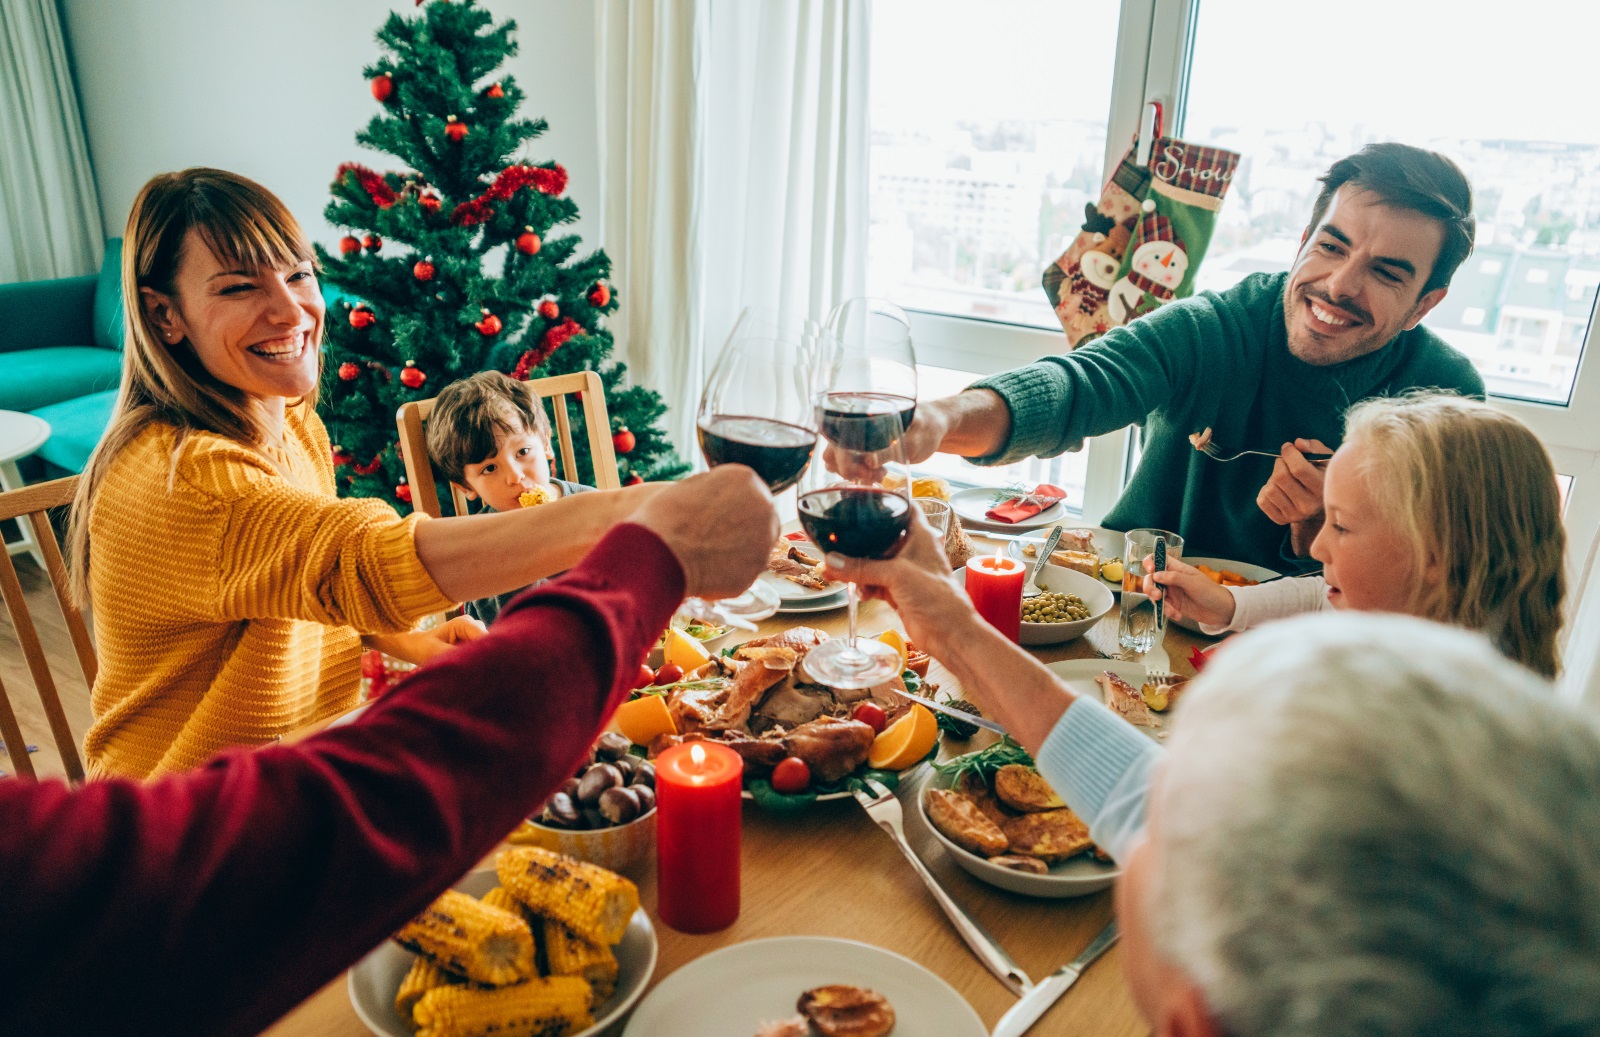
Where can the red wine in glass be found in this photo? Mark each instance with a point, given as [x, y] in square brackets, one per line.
[848, 419]
[856, 521]
[777, 450]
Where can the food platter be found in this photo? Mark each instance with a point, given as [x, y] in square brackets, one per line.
[973, 504]
[790, 593]
[734, 990]
[374, 980]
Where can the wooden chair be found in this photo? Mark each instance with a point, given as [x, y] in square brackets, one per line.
[33, 504]
[419, 468]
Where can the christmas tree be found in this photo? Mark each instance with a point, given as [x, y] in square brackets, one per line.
[450, 267]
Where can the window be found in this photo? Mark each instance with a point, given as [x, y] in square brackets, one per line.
[1472, 316]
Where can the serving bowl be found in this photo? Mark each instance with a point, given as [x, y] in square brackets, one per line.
[626, 848]
[1095, 594]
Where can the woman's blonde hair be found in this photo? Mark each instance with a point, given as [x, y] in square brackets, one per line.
[1474, 491]
[246, 227]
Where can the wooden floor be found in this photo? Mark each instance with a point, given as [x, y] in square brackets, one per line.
[18, 682]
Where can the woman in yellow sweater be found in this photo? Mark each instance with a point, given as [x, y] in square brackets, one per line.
[230, 586]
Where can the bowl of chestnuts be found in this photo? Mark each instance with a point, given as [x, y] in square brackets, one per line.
[604, 814]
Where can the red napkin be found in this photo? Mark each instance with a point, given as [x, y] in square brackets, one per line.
[1017, 508]
[1198, 657]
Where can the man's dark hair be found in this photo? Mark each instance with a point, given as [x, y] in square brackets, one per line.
[1410, 178]
[471, 414]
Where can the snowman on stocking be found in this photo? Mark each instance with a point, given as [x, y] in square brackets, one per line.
[1158, 268]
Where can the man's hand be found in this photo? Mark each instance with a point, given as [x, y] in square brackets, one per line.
[720, 524]
[916, 582]
[1189, 592]
[1294, 492]
[974, 423]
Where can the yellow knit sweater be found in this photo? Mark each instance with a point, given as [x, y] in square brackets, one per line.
[228, 593]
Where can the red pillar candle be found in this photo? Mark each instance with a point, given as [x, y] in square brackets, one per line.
[995, 587]
[697, 836]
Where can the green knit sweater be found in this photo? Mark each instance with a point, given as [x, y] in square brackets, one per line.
[1218, 361]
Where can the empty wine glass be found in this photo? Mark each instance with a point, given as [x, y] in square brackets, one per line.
[874, 356]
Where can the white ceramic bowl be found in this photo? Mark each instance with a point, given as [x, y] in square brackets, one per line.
[375, 979]
[712, 645]
[1077, 877]
[1095, 594]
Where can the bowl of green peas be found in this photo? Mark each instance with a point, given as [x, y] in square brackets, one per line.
[1070, 605]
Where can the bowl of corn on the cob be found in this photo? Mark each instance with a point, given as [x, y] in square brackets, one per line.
[544, 943]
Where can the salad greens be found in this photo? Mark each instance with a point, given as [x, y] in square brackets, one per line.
[985, 762]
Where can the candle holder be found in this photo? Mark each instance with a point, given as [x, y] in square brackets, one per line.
[697, 836]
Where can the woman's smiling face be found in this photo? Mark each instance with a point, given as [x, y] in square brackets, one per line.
[259, 331]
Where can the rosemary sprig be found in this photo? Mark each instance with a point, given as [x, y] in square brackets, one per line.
[985, 762]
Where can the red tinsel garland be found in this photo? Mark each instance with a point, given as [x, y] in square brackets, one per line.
[368, 469]
[549, 342]
[377, 188]
[546, 180]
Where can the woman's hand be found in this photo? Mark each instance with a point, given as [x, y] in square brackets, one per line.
[1189, 593]
[916, 582]
[419, 646]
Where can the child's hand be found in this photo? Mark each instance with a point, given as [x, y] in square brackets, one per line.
[1189, 593]
[419, 646]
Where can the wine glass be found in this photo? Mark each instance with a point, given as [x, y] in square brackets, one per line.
[757, 410]
[874, 356]
[863, 514]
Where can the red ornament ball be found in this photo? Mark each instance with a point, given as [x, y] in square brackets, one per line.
[455, 129]
[413, 376]
[423, 270]
[430, 202]
[349, 243]
[382, 87]
[528, 242]
[633, 480]
[624, 441]
[600, 295]
[372, 242]
[403, 491]
[361, 317]
[489, 326]
[549, 310]
[349, 372]
[496, 91]
[341, 456]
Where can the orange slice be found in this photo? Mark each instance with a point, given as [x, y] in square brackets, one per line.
[678, 647]
[896, 640]
[905, 741]
[644, 718]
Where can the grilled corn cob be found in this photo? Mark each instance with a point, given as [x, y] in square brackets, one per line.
[589, 900]
[501, 897]
[423, 977]
[572, 955]
[471, 939]
[550, 1007]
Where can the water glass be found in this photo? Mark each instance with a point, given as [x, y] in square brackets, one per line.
[937, 512]
[1137, 629]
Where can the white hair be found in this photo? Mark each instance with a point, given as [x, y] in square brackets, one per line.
[1377, 825]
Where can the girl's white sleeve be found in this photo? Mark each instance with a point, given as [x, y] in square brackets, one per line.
[1253, 606]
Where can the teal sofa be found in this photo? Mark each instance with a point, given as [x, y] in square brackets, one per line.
[61, 356]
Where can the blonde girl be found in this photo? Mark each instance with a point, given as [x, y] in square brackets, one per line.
[1436, 506]
[230, 586]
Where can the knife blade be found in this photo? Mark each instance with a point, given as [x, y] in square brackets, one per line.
[951, 711]
[1047, 991]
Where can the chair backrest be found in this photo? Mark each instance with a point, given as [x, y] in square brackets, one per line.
[412, 417]
[33, 504]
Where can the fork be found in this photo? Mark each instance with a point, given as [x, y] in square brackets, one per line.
[1212, 451]
[884, 809]
[1157, 664]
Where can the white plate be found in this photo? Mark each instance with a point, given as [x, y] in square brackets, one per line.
[791, 593]
[375, 979]
[731, 992]
[1245, 569]
[1077, 877]
[1080, 674]
[971, 504]
[834, 599]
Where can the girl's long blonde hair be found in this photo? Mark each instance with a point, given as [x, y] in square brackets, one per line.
[1475, 491]
[246, 227]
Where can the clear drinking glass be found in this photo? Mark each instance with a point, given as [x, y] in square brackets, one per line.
[864, 513]
[1137, 628]
[937, 512]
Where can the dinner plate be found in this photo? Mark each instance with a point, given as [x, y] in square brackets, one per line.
[732, 991]
[1245, 569]
[791, 593]
[834, 599]
[1080, 674]
[972, 504]
[374, 980]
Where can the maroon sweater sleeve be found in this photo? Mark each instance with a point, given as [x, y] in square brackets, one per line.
[215, 900]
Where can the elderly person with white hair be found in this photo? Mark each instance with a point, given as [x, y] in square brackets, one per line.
[1362, 824]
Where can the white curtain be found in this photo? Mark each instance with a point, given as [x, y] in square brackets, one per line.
[49, 208]
[734, 153]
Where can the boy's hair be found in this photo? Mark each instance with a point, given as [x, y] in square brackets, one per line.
[1475, 492]
[470, 416]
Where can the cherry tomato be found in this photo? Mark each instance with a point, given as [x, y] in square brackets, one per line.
[871, 714]
[645, 678]
[671, 673]
[791, 775]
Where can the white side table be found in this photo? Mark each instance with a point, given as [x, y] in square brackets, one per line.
[20, 435]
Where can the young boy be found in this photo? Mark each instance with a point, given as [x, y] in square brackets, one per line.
[490, 436]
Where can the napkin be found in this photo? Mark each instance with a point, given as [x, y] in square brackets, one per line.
[1019, 508]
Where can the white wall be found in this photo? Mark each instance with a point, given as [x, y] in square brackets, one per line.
[273, 89]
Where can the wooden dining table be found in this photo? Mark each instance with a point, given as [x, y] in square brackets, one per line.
[830, 871]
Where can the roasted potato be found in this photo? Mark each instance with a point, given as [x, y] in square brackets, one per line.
[959, 818]
[1031, 865]
[1023, 788]
[845, 1011]
[1053, 835]
[977, 790]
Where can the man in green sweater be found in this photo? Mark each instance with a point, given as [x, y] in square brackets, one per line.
[1270, 364]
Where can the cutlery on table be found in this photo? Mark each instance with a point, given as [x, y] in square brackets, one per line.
[1157, 664]
[1020, 1016]
[1030, 587]
[884, 809]
[951, 711]
[1214, 452]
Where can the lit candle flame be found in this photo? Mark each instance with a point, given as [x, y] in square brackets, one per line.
[997, 564]
[698, 755]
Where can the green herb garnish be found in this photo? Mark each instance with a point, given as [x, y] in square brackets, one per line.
[985, 762]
